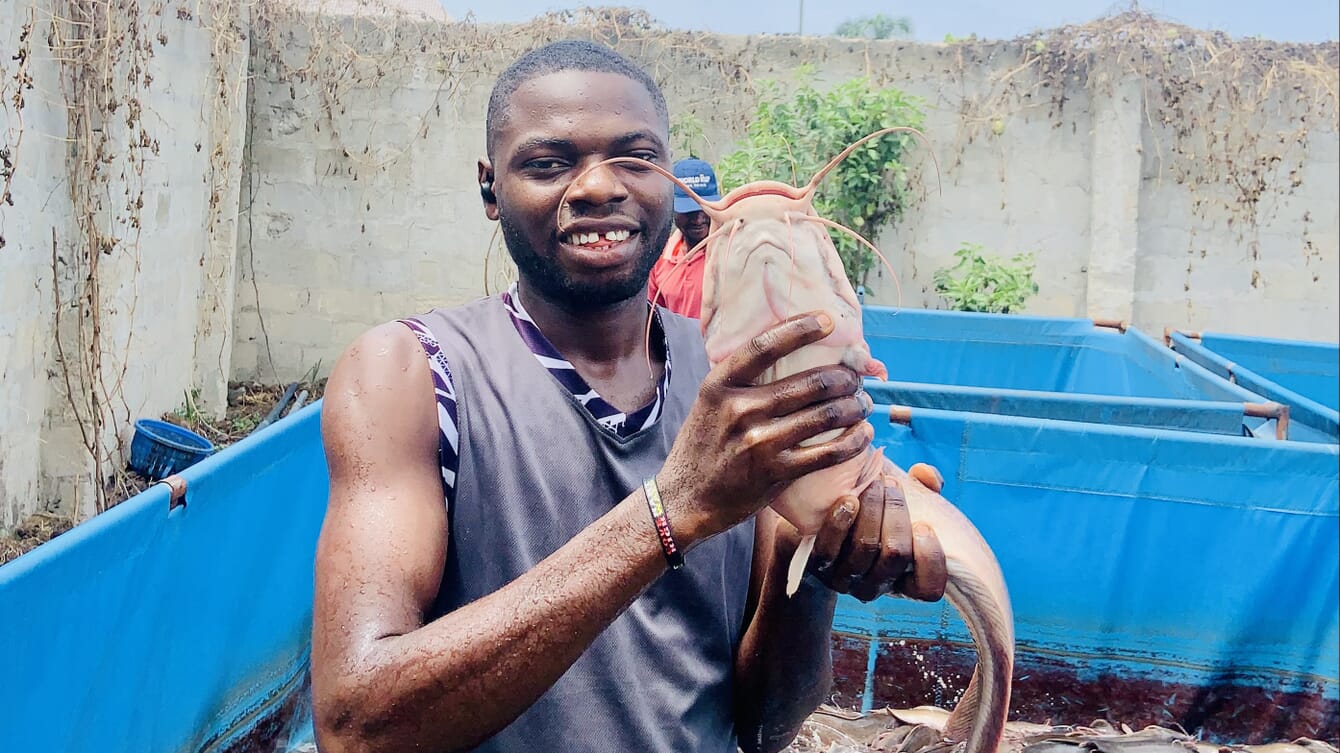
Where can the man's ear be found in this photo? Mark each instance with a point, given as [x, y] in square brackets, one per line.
[486, 189]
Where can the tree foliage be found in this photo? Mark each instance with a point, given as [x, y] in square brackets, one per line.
[791, 138]
[878, 26]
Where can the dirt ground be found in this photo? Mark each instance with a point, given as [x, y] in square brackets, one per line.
[248, 405]
[36, 529]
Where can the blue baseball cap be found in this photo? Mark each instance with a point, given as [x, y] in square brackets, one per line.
[699, 176]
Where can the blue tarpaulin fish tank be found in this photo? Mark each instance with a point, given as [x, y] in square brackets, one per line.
[1170, 559]
[1302, 375]
[1091, 365]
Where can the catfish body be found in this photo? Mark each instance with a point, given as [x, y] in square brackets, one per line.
[768, 262]
[759, 275]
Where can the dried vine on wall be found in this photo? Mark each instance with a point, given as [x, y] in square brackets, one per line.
[104, 48]
[225, 22]
[104, 53]
[1207, 100]
[13, 97]
[322, 57]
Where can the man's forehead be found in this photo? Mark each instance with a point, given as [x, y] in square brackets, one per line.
[557, 100]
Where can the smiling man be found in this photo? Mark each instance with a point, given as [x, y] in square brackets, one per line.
[534, 543]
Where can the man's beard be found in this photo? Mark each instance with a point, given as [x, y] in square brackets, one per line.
[550, 280]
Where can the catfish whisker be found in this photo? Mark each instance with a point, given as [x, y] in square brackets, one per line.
[868, 244]
[702, 244]
[791, 251]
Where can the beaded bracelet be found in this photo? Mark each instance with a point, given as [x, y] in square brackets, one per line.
[668, 545]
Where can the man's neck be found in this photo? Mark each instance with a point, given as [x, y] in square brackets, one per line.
[675, 244]
[598, 336]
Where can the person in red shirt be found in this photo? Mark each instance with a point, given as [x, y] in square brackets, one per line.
[675, 283]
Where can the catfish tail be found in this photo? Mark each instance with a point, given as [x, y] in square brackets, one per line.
[979, 716]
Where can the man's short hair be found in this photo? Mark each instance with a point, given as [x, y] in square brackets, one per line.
[565, 55]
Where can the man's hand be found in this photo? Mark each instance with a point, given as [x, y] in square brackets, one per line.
[739, 444]
[867, 545]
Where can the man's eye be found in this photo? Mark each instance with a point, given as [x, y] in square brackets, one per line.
[545, 164]
[643, 156]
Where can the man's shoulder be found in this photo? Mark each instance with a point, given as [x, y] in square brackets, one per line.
[376, 371]
[456, 310]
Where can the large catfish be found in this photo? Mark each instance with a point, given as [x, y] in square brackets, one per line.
[769, 256]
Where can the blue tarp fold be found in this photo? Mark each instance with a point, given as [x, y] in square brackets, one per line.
[1034, 353]
[1186, 415]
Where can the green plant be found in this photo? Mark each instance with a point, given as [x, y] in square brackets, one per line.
[189, 412]
[244, 424]
[687, 135]
[791, 138]
[986, 283]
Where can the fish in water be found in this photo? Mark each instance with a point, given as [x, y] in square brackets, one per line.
[769, 257]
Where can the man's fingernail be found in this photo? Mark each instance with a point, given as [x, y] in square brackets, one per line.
[825, 321]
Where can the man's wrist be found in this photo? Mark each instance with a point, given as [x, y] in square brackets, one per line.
[688, 527]
[674, 556]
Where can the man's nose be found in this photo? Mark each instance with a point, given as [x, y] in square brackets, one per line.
[598, 185]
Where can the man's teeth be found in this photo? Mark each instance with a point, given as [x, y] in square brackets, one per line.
[581, 239]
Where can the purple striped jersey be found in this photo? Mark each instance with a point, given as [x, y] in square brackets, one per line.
[611, 419]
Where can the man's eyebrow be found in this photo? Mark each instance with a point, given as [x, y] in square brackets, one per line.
[544, 142]
[633, 136]
[567, 145]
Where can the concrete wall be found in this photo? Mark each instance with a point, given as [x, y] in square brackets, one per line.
[365, 205]
[166, 280]
[1252, 249]
[31, 135]
[356, 207]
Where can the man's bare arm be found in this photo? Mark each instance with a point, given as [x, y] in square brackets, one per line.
[382, 680]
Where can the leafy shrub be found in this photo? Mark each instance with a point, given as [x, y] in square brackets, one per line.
[986, 283]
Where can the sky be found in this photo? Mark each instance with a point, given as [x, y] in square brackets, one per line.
[1283, 20]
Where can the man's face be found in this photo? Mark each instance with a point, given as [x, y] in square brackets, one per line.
[694, 226]
[558, 125]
